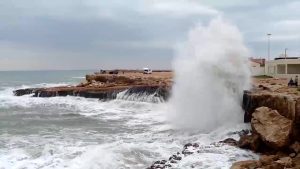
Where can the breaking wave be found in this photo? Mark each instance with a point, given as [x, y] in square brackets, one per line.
[151, 97]
[211, 73]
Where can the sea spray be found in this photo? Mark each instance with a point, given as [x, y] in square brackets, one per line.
[211, 71]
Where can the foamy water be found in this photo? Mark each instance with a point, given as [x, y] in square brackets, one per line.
[76, 133]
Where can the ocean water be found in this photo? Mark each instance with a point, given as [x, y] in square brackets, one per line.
[80, 133]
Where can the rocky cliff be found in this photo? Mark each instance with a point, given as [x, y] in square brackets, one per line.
[287, 105]
[274, 113]
[108, 86]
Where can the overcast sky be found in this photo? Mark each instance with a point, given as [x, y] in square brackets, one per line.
[92, 34]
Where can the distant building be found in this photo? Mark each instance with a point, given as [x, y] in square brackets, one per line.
[257, 66]
[260, 61]
[282, 67]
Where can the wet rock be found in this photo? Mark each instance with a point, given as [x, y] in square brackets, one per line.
[251, 142]
[250, 164]
[102, 93]
[285, 161]
[188, 145]
[267, 160]
[22, 92]
[177, 158]
[187, 152]
[157, 162]
[229, 141]
[295, 147]
[163, 162]
[168, 165]
[273, 129]
[196, 145]
[173, 161]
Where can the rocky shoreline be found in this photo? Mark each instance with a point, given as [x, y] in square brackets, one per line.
[105, 86]
[272, 109]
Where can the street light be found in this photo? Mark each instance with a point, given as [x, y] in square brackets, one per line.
[285, 55]
[269, 37]
[286, 65]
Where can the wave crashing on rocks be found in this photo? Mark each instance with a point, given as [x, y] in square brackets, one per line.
[211, 72]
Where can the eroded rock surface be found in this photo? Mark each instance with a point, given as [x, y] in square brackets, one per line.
[273, 129]
[108, 86]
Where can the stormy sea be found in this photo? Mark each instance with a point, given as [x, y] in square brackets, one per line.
[131, 133]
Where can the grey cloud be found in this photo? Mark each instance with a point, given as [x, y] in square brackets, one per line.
[93, 33]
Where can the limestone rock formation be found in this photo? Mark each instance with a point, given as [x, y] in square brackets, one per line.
[108, 86]
[269, 162]
[273, 129]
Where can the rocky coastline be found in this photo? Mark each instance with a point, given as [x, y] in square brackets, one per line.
[272, 109]
[106, 86]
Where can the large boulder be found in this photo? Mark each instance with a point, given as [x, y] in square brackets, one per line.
[273, 129]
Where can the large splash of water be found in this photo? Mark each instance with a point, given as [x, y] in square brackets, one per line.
[211, 71]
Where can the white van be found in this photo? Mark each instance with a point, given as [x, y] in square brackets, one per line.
[147, 71]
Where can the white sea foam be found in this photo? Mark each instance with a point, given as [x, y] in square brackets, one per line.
[129, 151]
[140, 97]
[211, 72]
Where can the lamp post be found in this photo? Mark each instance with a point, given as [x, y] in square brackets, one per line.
[286, 65]
[285, 52]
[269, 38]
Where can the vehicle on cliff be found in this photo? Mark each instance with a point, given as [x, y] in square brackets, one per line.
[147, 71]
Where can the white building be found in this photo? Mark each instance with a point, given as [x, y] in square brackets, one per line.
[257, 66]
[283, 67]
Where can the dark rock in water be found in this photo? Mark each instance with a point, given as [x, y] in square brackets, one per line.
[100, 93]
[249, 106]
[178, 158]
[173, 161]
[229, 141]
[251, 142]
[175, 158]
[188, 145]
[157, 162]
[163, 162]
[195, 145]
[187, 152]
[168, 165]
[21, 92]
